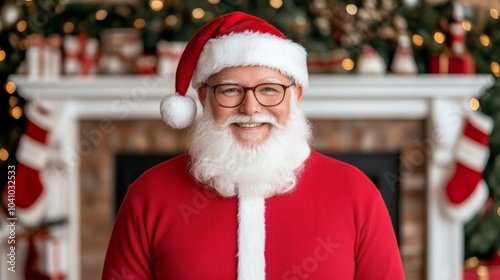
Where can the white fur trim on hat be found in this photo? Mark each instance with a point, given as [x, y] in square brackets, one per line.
[252, 49]
[178, 111]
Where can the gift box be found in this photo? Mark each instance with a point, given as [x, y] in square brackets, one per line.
[168, 54]
[72, 63]
[452, 64]
[39, 255]
[330, 62]
[43, 56]
[120, 48]
[80, 55]
[89, 55]
[146, 64]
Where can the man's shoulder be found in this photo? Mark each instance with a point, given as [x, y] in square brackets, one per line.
[330, 165]
[334, 172]
[165, 175]
[172, 167]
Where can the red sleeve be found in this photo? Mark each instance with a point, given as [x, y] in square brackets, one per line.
[129, 254]
[377, 254]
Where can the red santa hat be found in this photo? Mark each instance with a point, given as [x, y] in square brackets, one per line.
[234, 39]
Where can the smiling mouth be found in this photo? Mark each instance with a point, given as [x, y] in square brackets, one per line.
[248, 125]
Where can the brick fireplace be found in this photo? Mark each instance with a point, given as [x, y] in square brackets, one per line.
[416, 117]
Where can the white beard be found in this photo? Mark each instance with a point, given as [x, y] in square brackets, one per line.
[231, 168]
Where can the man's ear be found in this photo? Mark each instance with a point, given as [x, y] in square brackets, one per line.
[202, 95]
[298, 92]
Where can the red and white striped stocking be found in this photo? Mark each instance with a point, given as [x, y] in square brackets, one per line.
[466, 192]
[30, 199]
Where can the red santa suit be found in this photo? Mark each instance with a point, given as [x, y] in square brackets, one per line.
[333, 225]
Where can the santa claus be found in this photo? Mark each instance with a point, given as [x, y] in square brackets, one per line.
[250, 199]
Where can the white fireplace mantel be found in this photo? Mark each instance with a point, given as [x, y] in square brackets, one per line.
[348, 96]
[439, 99]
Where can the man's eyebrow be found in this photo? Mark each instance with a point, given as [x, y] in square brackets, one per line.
[270, 80]
[229, 81]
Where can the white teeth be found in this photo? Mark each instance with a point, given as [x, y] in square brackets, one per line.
[249, 124]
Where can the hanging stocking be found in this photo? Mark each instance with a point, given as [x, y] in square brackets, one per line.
[30, 196]
[466, 192]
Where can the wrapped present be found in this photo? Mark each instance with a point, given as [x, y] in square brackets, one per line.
[51, 250]
[120, 48]
[43, 56]
[168, 54]
[146, 64]
[89, 55]
[456, 59]
[53, 56]
[37, 255]
[452, 64]
[71, 57]
[330, 62]
[80, 55]
[34, 55]
[45, 258]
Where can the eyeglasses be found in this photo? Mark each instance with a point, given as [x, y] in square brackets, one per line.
[232, 95]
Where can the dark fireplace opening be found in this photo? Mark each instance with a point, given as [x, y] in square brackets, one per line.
[128, 167]
[381, 168]
[383, 171]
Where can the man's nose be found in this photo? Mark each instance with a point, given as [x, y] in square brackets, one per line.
[250, 104]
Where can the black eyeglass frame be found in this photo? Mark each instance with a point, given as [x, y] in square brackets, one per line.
[245, 89]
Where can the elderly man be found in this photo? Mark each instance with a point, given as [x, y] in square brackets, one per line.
[250, 199]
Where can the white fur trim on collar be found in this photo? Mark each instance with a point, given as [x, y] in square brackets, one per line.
[252, 49]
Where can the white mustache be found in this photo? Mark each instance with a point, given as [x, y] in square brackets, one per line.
[259, 118]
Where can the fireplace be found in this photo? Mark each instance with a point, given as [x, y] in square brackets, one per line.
[383, 171]
[104, 116]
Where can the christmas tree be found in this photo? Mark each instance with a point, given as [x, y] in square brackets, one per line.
[333, 31]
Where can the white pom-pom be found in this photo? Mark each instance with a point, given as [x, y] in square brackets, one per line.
[178, 111]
